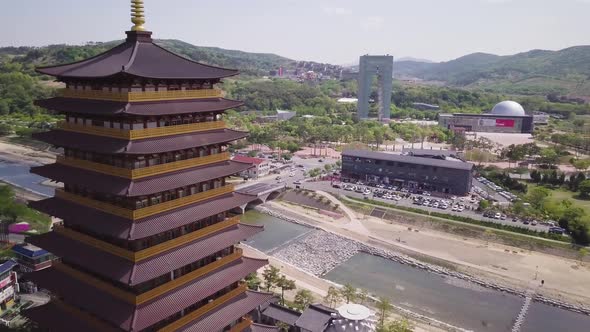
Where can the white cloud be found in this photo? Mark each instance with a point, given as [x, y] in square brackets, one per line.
[337, 11]
[372, 23]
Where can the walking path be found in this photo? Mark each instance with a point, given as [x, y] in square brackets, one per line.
[500, 264]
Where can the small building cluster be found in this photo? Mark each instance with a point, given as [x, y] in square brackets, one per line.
[260, 167]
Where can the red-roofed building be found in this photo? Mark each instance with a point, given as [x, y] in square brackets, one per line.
[261, 167]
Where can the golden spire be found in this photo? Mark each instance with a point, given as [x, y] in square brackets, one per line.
[137, 15]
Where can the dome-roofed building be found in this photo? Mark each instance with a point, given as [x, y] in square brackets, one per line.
[505, 117]
[508, 107]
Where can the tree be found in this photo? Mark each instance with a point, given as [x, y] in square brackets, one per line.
[548, 156]
[332, 297]
[285, 285]
[303, 298]
[582, 252]
[362, 296]
[584, 189]
[348, 292]
[283, 327]
[400, 325]
[253, 281]
[271, 277]
[483, 205]
[383, 308]
[538, 196]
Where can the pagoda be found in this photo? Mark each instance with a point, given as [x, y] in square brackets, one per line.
[148, 240]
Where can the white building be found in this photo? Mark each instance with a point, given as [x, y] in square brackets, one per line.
[261, 167]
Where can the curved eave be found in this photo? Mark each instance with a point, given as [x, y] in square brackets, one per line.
[101, 144]
[131, 317]
[51, 317]
[167, 107]
[113, 226]
[128, 272]
[140, 58]
[229, 312]
[115, 185]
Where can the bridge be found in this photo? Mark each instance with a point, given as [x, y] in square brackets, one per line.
[260, 193]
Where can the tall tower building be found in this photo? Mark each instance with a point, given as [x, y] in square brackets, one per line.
[148, 239]
[382, 67]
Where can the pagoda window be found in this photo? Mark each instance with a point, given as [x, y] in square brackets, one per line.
[202, 152]
[152, 123]
[181, 193]
[204, 186]
[71, 119]
[156, 199]
[193, 190]
[140, 163]
[153, 160]
[190, 154]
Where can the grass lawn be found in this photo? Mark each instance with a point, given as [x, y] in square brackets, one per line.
[560, 194]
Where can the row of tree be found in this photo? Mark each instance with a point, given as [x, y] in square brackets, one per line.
[273, 279]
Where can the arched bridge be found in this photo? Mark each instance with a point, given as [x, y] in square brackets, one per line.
[260, 193]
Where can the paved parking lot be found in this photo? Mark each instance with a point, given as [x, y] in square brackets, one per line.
[408, 202]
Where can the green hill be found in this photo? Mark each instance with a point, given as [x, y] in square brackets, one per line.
[565, 71]
[256, 64]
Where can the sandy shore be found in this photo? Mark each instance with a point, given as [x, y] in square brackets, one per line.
[24, 154]
[565, 279]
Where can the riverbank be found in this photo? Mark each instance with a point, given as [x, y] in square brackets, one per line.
[322, 251]
[24, 154]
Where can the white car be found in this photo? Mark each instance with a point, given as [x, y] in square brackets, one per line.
[460, 209]
[454, 208]
[498, 215]
[387, 196]
[291, 174]
[453, 197]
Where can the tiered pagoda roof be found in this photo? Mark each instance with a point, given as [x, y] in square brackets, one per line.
[138, 56]
[148, 237]
[103, 144]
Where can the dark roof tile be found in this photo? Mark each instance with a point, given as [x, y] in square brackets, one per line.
[128, 272]
[408, 159]
[139, 57]
[231, 311]
[103, 144]
[168, 107]
[131, 317]
[119, 227]
[125, 187]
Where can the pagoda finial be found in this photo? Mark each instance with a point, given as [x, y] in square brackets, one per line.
[137, 15]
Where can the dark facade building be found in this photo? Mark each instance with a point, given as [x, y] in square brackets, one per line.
[435, 173]
[148, 241]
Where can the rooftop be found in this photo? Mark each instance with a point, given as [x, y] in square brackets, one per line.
[137, 56]
[249, 160]
[29, 250]
[106, 107]
[409, 159]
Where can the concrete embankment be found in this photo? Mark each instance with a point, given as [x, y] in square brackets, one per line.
[322, 251]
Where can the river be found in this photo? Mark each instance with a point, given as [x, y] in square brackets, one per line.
[446, 299]
[18, 174]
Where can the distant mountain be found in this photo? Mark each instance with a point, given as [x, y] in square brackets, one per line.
[535, 72]
[257, 64]
[409, 58]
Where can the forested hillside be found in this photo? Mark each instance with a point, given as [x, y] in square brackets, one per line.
[535, 72]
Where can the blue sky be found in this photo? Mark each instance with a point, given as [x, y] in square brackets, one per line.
[335, 31]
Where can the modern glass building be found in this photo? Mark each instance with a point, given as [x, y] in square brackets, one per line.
[433, 173]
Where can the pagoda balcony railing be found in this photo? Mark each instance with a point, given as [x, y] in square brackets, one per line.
[146, 211]
[137, 96]
[242, 325]
[191, 316]
[134, 134]
[153, 293]
[141, 255]
[139, 173]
